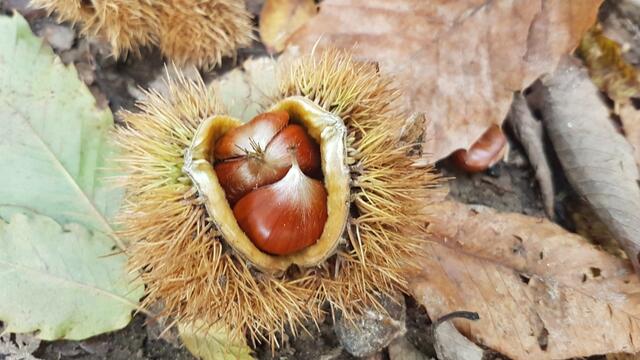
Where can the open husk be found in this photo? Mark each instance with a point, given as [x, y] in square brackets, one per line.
[329, 131]
[190, 253]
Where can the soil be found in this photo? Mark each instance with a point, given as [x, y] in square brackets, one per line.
[508, 186]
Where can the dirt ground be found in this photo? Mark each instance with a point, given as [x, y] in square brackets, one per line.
[509, 186]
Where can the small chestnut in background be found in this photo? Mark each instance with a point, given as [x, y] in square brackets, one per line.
[271, 173]
[484, 153]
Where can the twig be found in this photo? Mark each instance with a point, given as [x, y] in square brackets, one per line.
[530, 134]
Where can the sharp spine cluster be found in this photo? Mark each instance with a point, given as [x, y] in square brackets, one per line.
[188, 32]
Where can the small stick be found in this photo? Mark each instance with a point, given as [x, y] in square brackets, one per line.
[530, 132]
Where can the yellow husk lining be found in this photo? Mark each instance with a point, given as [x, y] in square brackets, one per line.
[186, 264]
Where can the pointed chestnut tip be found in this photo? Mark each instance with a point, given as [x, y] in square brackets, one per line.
[284, 217]
[294, 145]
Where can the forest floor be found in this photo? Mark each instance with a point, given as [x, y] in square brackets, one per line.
[508, 186]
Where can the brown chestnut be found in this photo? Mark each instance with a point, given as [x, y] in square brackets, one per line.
[268, 159]
[273, 184]
[284, 217]
[484, 153]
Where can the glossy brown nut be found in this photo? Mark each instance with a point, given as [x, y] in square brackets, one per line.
[284, 217]
[257, 132]
[484, 153]
[239, 175]
[294, 140]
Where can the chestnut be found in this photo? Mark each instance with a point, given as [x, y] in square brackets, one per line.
[484, 153]
[284, 217]
[269, 171]
[259, 153]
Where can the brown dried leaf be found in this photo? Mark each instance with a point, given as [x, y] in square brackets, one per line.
[402, 349]
[281, 18]
[459, 61]
[451, 345]
[530, 134]
[596, 159]
[623, 356]
[540, 291]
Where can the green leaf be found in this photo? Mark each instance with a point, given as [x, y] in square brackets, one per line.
[63, 281]
[58, 272]
[214, 342]
[54, 140]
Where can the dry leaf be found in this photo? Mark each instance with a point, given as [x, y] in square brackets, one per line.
[610, 71]
[597, 161]
[623, 356]
[402, 349]
[458, 61]
[451, 345]
[214, 342]
[540, 291]
[621, 22]
[18, 346]
[246, 91]
[630, 118]
[60, 37]
[530, 134]
[373, 330]
[281, 18]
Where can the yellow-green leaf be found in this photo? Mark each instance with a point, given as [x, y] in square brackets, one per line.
[214, 342]
[62, 274]
[54, 139]
[63, 281]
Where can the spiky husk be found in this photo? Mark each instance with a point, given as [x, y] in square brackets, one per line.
[186, 264]
[188, 32]
[389, 191]
[203, 32]
[128, 25]
[180, 257]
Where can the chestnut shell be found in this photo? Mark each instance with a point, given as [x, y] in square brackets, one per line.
[329, 131]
